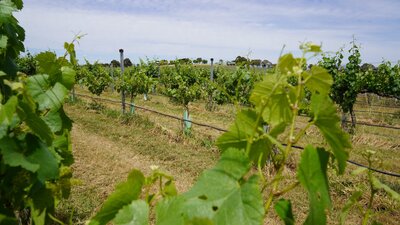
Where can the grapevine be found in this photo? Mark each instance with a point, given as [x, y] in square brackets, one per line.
[35, 144]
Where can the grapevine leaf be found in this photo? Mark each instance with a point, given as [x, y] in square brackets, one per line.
[37, 125]
[170, 189]
[53, 120]
[5, 220]
[379, 185]
[12, 157]
[312, 175]
[318, 80]
[124, 194]
[271, 93]
[7, 110]
[286, 63]
[42, 202]
[41, 155]
[48, 97]
[7, 7]
[53, 98]
[135, 213]
[345, 210]
[3, 42]
[327, 121]
[264, 89]
[68, 77]
[283, 208]
[199, 221]
[278, 110]
[66, 121]
[62, 146]
[47, 64]
[241, 131]
[221, 195]
[18, 3]
[3, 130]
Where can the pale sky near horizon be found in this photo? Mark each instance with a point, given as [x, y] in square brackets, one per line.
[222, 29]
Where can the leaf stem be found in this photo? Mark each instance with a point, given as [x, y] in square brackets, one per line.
[289, 188]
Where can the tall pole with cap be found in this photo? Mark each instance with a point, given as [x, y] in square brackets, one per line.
[121, 54]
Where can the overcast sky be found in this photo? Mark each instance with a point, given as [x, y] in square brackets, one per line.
[221, 29]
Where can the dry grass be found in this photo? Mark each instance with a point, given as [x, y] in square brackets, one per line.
[107, 146]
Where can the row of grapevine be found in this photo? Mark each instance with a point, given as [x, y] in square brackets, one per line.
[353, 78]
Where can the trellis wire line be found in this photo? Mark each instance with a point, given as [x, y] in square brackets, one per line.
[368, 124]
[224, 130]
[154, 111]
[374, 112]
[375, 125]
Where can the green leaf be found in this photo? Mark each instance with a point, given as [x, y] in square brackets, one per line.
[47, 64]
[241, 131]
[327, 121]
[53, 120]
[18, 3]
[286, 63]
[350, 202]
[5, 220]
[37, 125]
[265, 89]
[68, 77]
[283, 208]
[47, 161]
[379, 185]
[279, 109]
[124, 194]
[7, 110]
[48, 97]
[199, 221]
[62, 145]
[3, 42]
[312, 176]
[221, 195]
[42, 202]
[13, 157]
[136, 213]
[7, 7]
[272, 93]
[359, 171]
[170, 189]
[318, 80]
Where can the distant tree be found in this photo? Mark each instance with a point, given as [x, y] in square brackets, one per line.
[27, 64]
[127, 62]
[172, 62]
[367, 66]
[185, 61]
[198, 60]
[115, 63]
[220, 62]
[241, 60]
[204, 61]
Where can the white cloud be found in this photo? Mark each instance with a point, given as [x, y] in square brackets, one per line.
[219, 29]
